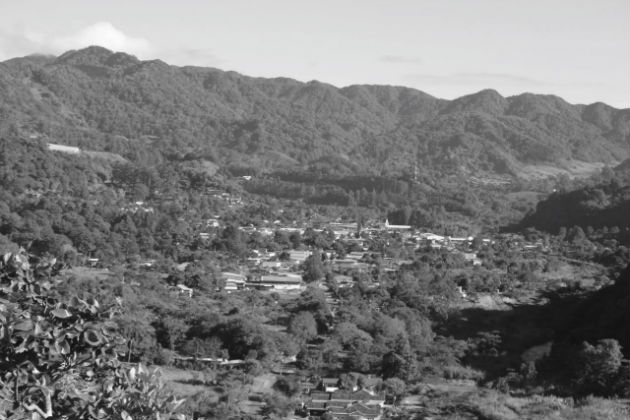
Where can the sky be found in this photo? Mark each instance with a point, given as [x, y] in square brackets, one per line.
[576, 49]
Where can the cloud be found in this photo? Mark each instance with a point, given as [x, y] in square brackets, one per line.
[399, 59]
[104, 34]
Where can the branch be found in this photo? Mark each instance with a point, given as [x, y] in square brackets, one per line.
[48, 401]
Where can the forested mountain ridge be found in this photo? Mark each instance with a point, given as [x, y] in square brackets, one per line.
[101, 100]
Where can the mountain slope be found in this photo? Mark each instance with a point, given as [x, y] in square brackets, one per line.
[114, 102]
[603, 203]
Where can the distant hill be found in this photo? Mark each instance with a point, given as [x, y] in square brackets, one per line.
[149, 110]
[606, 202]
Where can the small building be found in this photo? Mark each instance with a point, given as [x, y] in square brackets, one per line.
[277, 281]
[233, 281]
[271, 265]
[345, 405]
[64, 149]
[330, 384]
[471, 257]
[343, 281]
[299, 256]
[356, 411]
[184, 290]
[344, 263]
[356, 255]
[387, 226]
[362, 396]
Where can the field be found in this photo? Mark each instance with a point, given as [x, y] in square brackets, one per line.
[453, 400]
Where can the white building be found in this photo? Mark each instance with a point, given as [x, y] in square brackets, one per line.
[387, 226]
[64, 149]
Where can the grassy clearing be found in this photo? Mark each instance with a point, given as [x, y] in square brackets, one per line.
[451, 401]
[572, 168]
[185, 383]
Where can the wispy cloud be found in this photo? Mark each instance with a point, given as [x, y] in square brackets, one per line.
[400, 59]
[106, 35]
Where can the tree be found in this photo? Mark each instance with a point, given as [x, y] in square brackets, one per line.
[398, 365]
[310, 359]
[288, 386]
[277, 406]
[232, 240]
[169, 331]
[313, 268]
[477, 243]
[59, 357]
[313, 300]
[394, 388]
[348, 381]
[303, 326]
[596, 367]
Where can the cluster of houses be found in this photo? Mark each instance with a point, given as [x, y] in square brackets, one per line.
[137, 207]
[266, 272]
[231, 200]
[275, 271]
[327, 398]
[281, 271]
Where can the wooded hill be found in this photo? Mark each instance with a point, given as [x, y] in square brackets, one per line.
[148, 110]
[604, 202]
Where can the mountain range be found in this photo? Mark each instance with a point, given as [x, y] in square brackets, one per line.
[110, 101]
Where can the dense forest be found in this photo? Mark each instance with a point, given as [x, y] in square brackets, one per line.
[105, 101]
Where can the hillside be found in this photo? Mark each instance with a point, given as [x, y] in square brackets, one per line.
[148, 110]
[603, 203]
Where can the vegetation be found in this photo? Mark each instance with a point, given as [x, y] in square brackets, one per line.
[59, 357]
[121, 257]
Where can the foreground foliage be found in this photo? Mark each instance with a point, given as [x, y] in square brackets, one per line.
[58, 358]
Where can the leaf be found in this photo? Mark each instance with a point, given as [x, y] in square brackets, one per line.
[61, 313]
[92, 337]
[25, 325]
[64, 347]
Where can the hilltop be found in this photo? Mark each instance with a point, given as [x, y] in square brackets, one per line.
[106, 101]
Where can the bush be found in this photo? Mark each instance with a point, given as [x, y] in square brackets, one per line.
[59, 357]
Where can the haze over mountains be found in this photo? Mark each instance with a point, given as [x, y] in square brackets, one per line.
[101, 100]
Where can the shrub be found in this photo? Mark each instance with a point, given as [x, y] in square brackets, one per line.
[59, 357]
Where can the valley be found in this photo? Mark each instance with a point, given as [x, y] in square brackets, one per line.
[220, 246]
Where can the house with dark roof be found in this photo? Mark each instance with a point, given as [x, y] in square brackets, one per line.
[358, 405]
[358, 396]
[357, 412]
